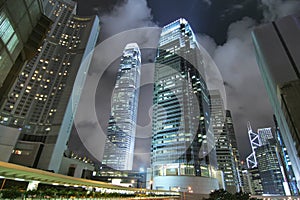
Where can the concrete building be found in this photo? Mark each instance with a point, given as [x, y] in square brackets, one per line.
[277, 50]
[182, 155]
[42, 101]
[121, 131]
[21, 34]
[123, 178]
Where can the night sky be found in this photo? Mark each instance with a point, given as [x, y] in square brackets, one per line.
[223, 28]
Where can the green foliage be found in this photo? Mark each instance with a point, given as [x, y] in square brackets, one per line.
[60, 193]
[224, 195]
[12, 193]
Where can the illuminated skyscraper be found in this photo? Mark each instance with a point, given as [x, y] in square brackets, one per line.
[21, 34]
[254, 142]
[224, 149]
[287, 169]
[276, 175]
[268, 163]
[182, 138]
[235, 151]
[119, 146]
[42, 101]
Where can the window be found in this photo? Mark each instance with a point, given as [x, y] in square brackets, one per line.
[7, 33]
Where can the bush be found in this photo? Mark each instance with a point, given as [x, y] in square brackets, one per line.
[10, 193]
[224, 195]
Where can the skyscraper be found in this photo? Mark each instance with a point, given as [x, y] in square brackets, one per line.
[255, 180]
[287, 169]
[43, 100]
[21, 34]
[119, 146]
[182, 139]
[224, 150]
[254, 142]
[233, 142]
[269, 164]
[277, 51]
[276, 178]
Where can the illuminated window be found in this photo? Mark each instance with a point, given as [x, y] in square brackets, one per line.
[7, 33]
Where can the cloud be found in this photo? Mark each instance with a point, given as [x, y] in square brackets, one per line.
[237, 63]
[208, 2]
[207, 43]
[246, 94]
[274, 9]
[245, 90]
[124, 24]
[129, 15]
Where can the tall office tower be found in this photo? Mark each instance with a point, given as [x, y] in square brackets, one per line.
[119, 146]
[224, 151]
[43, 99]
[269, 165]
[255, 179]
[182, 138]
[254, 142]
[287, 169]
[22, 30]
[235, 151]
[277, 51]
[246, 181]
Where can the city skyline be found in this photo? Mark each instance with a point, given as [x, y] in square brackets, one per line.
[115, 19]
[132, 96]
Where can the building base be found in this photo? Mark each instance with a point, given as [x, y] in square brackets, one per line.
[186, 184]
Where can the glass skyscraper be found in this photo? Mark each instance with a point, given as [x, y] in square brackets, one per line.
[42, 101]
[182, 139]
[235, 151]
[273, 164]
[119, 146]
[269, 165]
[224, 147]
[279, 65]
[288, 171]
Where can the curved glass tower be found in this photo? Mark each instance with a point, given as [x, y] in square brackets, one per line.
[182, 155]
[119, 146]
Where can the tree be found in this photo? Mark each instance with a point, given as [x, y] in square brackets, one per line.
[11, 193]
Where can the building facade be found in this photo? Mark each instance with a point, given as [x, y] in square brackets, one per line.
[255, 180]
[285, 161]
[279, 64]
[224, 148]
[254, 142]
[21, 34]
[42, 101]
[235, 151]
[276, 175]
[182, 155]
[121, 131]
[268, 163]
